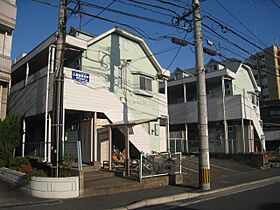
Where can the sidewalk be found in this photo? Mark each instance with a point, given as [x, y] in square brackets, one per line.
[143, 197]
[190, 189]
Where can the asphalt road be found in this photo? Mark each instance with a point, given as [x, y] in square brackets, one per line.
[10, 194]
[260, 198]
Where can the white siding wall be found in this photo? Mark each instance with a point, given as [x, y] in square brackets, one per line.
[93, 96]
[31, 99]
[187, 112]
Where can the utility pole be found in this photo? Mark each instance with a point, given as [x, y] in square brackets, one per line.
[58, 86]
[204, 163]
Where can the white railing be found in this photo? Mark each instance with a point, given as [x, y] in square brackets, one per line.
[5, 64]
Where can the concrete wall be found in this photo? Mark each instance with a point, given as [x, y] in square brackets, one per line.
[43, 187]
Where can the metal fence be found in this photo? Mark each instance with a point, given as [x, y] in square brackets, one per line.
[35, 149]
[217, 146]
[152, 165]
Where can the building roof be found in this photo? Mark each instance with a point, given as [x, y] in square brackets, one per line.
[137, 39]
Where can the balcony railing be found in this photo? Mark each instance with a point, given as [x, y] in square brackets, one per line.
[8, 13]
[5, 68]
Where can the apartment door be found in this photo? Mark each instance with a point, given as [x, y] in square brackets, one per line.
[85, 140]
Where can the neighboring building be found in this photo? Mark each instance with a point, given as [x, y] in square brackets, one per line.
[111, 81]
[7, 25]
[265, 66]
[270, 114]
[234, 124]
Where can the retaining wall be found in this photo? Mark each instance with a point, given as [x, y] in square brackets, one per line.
[43, 187]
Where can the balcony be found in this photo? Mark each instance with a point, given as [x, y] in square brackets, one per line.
[5, 68]
[7, 15]
[187, 112]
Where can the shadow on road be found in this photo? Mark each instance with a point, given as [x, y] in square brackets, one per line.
[269, 206]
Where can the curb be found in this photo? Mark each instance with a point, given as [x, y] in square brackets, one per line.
[184, 196]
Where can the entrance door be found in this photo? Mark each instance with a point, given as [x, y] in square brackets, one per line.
[85, 140]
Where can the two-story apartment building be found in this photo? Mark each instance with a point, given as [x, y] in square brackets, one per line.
[233, 109]
[110, 81]
[7, 25]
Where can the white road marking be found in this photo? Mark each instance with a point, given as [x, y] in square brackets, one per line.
[189, 169]
[216, 166]
[226, 194]
[32, 203]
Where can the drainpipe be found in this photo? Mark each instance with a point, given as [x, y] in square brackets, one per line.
[167, 118]
[49, 137]
[23, 137]
[224, 116]
[95, 137]
[1, 92]
[242, 123]
[26, 74]
[47, 104]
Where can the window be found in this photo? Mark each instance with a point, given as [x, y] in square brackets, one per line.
[263, 76]
[264, 86]
[256, 77]
[262, 66]
[265, 97]
[275, 113]
[145, 83]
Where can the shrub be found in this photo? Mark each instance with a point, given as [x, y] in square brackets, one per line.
[17, 162]
[39, 173]
[10, 129]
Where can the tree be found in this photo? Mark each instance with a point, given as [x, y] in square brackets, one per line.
[10, 129]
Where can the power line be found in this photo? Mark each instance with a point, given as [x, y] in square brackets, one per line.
[138, 30]
[99, 13]
[172, 4]
[223, 27]
[144, 8]
[275, 3]
[226, 24]
[157, 53]
[128, 14]
[244, 26]
[155, 6]
[241, 48]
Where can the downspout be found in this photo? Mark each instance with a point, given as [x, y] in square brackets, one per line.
[167, 118]
[243, 130]
[47, 103]
[23, 137]
[224, 116]
[1, 93]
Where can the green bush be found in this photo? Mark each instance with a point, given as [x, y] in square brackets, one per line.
[10, 129]
[17, 162]
[39, 173]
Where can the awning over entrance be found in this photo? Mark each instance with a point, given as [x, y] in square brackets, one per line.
[132, 122]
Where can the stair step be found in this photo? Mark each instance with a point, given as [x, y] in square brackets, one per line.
[117, 184]
[97, 175]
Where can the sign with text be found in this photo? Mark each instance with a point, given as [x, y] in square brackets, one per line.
[80, 76]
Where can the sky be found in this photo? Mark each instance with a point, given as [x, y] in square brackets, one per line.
[257, 20]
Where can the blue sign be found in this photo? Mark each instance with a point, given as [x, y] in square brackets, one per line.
[80, 76]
